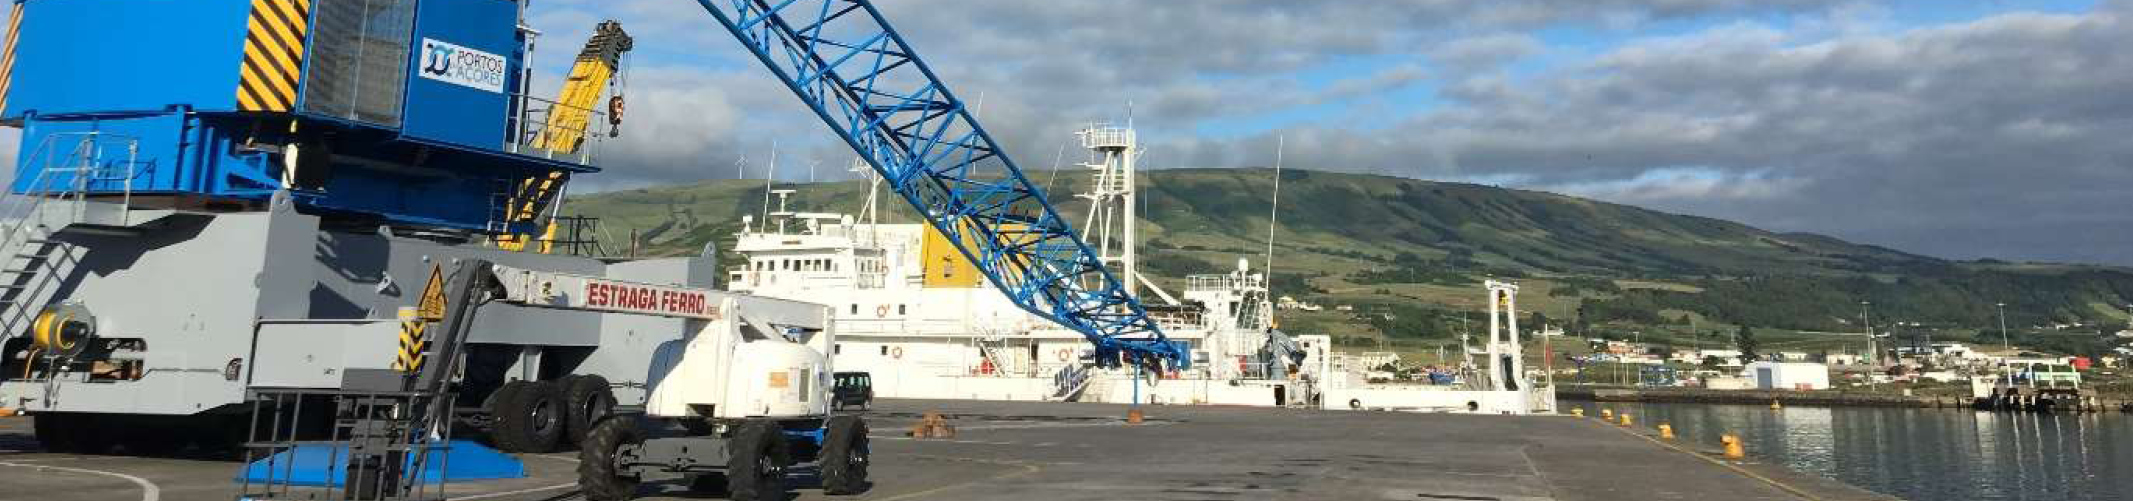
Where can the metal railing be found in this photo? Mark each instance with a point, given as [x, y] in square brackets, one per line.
[72, 164]
[531, 132]
[329, 444]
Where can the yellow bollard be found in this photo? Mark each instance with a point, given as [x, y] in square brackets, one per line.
[1133, 416]
[1774, 405]
[1577, 411]
[1733, 447]
[1666, 431]
[1626, 421]
[1607, 414]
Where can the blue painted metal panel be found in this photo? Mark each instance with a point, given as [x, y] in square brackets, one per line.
[160, 152]
[451, 96]
[317, 465]
[79, 56]
[460, 200]
[844, 61]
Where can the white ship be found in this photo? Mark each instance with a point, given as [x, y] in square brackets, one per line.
[916, 314]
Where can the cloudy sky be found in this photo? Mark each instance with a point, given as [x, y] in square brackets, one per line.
[1960, 129]
[1964, 129]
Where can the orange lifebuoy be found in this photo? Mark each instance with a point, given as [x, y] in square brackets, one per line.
[881, 311]
[896, 353]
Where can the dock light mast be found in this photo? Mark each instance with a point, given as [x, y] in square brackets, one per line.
[1111, 223]
[1506, 358]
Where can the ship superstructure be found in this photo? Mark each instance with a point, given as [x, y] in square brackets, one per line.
[918, 316]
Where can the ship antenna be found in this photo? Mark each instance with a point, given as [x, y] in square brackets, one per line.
[1273, 218]
[770, 175]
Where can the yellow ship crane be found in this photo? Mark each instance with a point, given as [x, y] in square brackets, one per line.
[569, 120]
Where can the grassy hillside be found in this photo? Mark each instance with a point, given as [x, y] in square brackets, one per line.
[1408, 255]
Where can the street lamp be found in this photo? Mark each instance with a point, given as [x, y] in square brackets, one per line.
[1873, 357]
[2004, 344]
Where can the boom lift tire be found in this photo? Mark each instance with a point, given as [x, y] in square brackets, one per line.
[755, 465]
[529, 417]
[845, 453]
[55, 432]
[588, 399]
[599, 478]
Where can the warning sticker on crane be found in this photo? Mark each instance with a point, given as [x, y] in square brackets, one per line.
[432, 306]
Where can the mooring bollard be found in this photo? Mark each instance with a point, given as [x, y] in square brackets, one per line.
[1626, 421]
[1133, 416]
[1733, 447]
[1774, 405]
[1577, 411]
[1666, 431]
[1607, 414]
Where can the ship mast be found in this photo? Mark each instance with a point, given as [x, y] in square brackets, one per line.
[1111, 227]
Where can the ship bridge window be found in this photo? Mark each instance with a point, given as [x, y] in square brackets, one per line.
[885, 350]
[899, 309]
[855, 308]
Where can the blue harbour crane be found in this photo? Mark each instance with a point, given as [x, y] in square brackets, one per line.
[844, 60]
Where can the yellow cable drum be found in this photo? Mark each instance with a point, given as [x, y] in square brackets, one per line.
[63, 329]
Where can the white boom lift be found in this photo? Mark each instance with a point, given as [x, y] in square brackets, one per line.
[744, 394]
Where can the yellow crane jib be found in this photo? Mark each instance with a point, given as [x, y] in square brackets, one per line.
[570, 117]
[568, 120]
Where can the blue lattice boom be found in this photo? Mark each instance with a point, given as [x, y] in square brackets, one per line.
[845, 62]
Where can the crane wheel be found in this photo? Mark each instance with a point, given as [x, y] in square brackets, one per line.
[587, 398]
[708, 483]
[529, 417]
[755, 467]
[55, 432]
[845, 453]
[599, 478]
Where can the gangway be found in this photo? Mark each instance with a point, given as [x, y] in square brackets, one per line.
[844, 60]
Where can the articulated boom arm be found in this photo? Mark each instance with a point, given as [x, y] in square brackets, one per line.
[845, 61]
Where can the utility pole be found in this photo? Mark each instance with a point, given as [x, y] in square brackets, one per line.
[2004, 344]
[1873, 357]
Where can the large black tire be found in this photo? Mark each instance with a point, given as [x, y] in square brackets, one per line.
[55, 432]
[598, 477]
[91, 433]
[708, 483]
[151, 439]
[529, 417]
[755, 469]
[587, 398]
[845, 454]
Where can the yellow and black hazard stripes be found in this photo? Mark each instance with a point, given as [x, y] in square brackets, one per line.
[273, 54]
[414, 345]
[7, 52]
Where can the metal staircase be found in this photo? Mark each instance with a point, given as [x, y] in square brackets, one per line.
[73, 164]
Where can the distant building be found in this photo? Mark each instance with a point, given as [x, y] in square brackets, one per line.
[1843, 358]
[1290, 303]
[1792, 356]
[1788, 375]
[1375, 359]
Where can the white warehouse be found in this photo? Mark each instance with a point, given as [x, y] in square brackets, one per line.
[1788, 375]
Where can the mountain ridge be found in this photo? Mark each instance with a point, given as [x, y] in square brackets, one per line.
[1399, 242]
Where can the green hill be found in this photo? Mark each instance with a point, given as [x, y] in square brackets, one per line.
[1408, 255]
